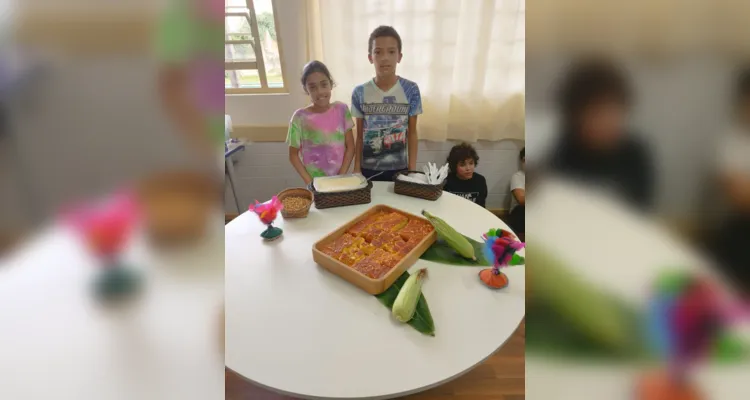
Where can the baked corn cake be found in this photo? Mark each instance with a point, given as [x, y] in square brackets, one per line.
[376, 244]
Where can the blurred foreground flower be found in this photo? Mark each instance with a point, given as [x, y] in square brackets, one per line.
[106, 226]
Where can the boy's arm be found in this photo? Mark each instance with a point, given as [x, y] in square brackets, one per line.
[413, 145]
[415, 108]
[359, 118]
[349, 154]
[518, 189]
[298, 166]
[359, 146]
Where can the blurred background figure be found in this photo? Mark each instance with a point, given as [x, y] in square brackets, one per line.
[732, 241]
[641, 119]
[595, 142]
[517, 216]
[88, 110]
[191, 73]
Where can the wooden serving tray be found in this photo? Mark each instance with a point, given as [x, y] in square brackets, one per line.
[369, 285]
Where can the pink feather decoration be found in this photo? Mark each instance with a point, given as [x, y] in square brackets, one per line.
[105, 226]
[268, 211]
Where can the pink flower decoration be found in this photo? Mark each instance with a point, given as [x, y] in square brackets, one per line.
[268, 211]
[105, 226]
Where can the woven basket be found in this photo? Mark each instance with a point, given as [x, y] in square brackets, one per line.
[421, 191]
[340, 199]
[177, 206]
[296, 192]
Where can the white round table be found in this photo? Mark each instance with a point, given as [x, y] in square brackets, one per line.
[622, 253]
[295, 328]
[56, 342]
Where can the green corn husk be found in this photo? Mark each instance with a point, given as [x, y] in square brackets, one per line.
[441, 252]
[594, 314]
[454, 239]
[406, 301]
[422, 319]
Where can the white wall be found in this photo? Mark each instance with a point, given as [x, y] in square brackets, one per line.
[681, 111]
[83, 134]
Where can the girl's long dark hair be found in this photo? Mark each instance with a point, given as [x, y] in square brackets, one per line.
[315, 66]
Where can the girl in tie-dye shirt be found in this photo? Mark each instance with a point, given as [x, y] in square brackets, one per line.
[320, 136]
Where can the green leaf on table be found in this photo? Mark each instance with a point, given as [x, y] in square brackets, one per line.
[574, 318]
[730, 348]
[551, 334]
[422, 320]
[441, 252]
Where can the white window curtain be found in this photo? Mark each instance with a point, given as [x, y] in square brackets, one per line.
[467, 56]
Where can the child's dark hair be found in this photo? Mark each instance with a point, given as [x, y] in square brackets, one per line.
[383, 31]
[591, 81]
[522, 155]
[315, 66]
[461, 152]
[742, 93]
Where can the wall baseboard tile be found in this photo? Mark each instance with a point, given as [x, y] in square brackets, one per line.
[90, 34]
[260, 133]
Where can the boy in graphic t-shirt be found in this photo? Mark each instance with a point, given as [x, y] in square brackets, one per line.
[386, 109]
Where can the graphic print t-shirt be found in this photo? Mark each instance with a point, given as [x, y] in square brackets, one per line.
[386, 122]
[474, 189]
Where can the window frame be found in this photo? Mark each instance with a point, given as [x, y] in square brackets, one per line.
[259, 63]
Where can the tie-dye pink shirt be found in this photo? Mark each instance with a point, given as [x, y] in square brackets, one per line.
[321, 138]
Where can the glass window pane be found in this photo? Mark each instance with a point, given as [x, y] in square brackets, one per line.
[269, 42]
[237, 24]
[242, 79]
[238, 29]
[239, 52]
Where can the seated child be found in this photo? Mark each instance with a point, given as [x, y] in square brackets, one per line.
[733, 238]
[462, 180]
[321, 132]
[517, 217]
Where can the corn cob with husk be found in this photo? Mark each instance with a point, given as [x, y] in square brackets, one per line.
[406, 301]
[454, 239]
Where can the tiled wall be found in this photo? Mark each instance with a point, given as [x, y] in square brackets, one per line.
[75, 142]
[681, 111]
[263, 170]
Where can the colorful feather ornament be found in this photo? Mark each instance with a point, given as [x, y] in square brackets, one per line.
[499, 246]
[687, 318]
[106, 228]
[267, 212]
